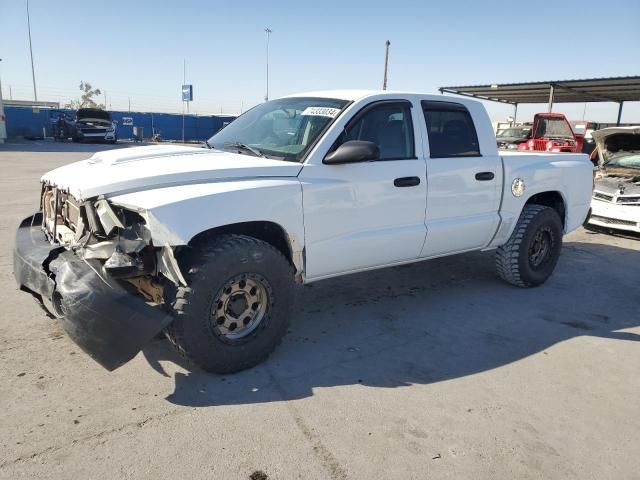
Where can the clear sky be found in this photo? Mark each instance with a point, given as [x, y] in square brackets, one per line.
[135, 49]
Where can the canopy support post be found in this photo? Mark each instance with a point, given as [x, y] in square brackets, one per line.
[515, 113]
[551, 89]
[619, 114]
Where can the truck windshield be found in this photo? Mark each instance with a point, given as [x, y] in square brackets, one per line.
[285, 128]
[553, 128]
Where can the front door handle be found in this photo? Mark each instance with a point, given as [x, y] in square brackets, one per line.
[406, 181]
[484, 176]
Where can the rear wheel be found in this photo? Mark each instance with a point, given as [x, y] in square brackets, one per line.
[531, 253]
[237, 306]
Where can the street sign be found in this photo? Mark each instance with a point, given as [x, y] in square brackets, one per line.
[187, 93]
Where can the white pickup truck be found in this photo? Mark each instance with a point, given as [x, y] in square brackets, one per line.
[206, 244]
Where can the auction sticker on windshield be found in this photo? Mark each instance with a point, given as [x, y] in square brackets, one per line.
[321, 112]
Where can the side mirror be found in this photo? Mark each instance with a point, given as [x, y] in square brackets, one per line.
[353, 151]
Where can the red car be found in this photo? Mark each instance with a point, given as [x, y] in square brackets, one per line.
[552, 133]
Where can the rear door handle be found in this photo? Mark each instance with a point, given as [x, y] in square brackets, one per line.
[484, 176]
[406, 181]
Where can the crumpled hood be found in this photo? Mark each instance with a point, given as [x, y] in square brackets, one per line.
[142, 168]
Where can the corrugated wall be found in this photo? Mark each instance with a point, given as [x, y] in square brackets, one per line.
[29, 123]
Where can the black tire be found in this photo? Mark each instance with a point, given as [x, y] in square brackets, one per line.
[522, 261]
[194, 331]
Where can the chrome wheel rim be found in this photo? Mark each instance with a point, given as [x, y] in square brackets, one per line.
[240, 306]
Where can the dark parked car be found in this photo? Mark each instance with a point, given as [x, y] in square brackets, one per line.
[510, 138]
[94, 124]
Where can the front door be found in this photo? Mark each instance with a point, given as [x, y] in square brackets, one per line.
[368, 214]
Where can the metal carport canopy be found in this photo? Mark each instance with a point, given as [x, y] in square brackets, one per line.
[613, 89]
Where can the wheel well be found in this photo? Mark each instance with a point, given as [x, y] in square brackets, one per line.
[269, 232]
[550, 199]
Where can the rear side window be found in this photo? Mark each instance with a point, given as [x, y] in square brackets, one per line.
[451, 130]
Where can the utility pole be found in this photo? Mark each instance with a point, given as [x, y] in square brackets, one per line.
[105, 101]
[268, 32]
[129, 104]
[386, 64]
[33, 74]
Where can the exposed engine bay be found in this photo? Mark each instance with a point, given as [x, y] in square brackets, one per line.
[114, 236]
[619, 160]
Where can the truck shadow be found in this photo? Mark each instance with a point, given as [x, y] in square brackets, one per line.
[426, 323]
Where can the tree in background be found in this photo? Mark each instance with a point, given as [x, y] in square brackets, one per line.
[86, 99]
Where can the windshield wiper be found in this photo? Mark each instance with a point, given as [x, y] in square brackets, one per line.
[245, 147]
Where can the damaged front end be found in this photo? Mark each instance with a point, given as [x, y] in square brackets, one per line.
[94, 266]
[616, 195]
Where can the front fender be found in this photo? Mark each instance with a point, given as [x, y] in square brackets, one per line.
[175, 215]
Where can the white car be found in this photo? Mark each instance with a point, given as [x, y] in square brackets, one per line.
[616, 195]
[208, 243]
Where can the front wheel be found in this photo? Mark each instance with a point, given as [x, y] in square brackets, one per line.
[531, 253]
[237, 306]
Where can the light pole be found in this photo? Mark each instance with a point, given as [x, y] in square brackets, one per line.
[33, 73]
[386, 64]
[268, 32]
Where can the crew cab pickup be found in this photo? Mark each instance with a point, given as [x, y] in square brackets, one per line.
[207, 244]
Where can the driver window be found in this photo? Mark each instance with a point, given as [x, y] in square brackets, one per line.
[389, 126]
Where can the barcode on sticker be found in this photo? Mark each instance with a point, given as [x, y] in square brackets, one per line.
[321, 111]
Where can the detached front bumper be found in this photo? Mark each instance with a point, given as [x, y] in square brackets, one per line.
[106, 321]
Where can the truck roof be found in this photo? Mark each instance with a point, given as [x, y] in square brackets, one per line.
[353, 95]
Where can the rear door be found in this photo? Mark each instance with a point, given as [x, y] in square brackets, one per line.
[464, 183]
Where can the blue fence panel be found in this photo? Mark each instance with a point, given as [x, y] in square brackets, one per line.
[29, 123]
